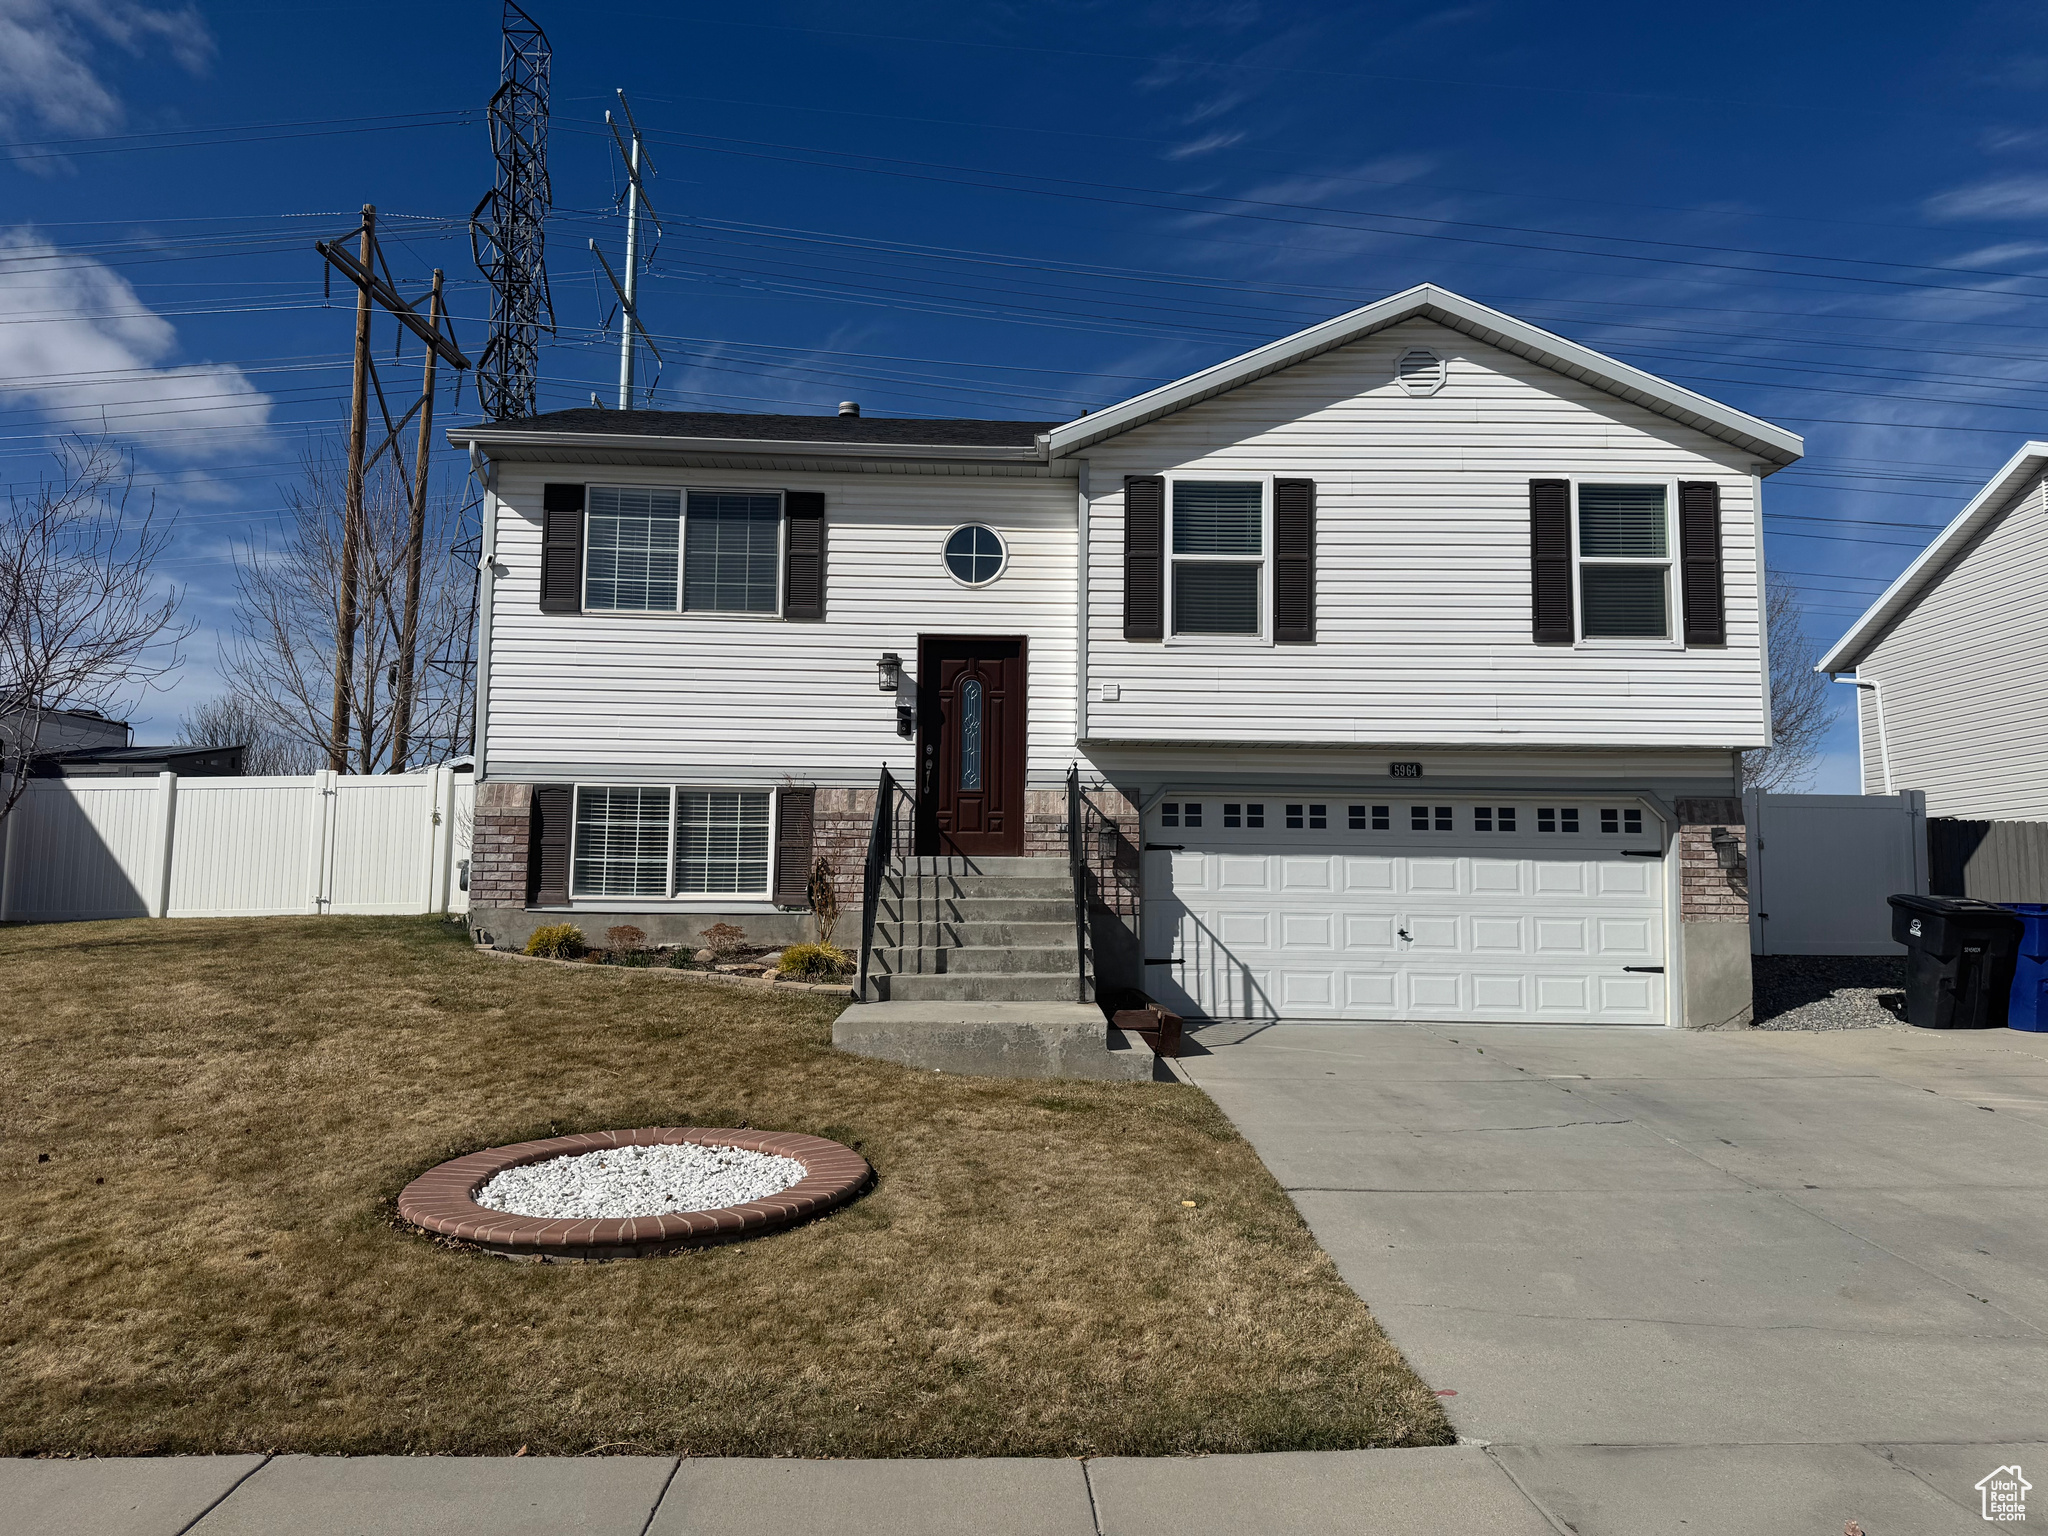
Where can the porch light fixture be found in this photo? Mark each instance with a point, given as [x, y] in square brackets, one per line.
[1727, 849]
[889, 672]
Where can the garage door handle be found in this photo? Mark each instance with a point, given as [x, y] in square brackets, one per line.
[1642, 853]
[1166, 848]
[1654, 970]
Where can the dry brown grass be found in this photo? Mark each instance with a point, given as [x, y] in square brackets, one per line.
[207, 1262]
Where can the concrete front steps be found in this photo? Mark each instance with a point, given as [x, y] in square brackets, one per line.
[991, 930]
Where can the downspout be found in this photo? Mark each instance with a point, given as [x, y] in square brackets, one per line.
[1884, 744]
[487, 573]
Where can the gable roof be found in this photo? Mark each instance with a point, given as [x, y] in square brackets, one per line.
[1426, 301]
[1927, 569]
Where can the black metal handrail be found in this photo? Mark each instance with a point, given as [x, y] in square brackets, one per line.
[1077, 860]
[880, 838]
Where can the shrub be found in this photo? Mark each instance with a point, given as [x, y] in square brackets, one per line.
[821, 961]
[723, 939]
[557, 941]
[824, 901]
[624, 938]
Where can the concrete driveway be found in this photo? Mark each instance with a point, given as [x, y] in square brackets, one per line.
[1687, 1281]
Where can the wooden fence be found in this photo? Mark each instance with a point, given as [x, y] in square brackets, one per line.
[1990, 860]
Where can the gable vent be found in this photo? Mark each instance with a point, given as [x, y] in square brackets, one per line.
[1420, 372]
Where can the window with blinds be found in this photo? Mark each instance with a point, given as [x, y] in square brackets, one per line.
[1624, 561]
[632, 541]
[1218, 544]
[621, 844]
[732, 553]
[722, 842]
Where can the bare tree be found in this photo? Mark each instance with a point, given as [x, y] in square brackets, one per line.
[1802, 706]
[83, 621]
[233, 720]
[281, 660]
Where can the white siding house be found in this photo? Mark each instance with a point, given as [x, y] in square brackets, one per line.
[1951, 680]
[1400, 652]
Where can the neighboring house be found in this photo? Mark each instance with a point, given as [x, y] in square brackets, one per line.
[1415, 651]
[141, 762]
[69, 730]
[1947, 702]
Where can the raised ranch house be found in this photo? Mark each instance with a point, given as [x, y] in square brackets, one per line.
[1401, 666]
[1945, 702]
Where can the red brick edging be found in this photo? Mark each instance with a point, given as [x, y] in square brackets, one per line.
[441, 1199]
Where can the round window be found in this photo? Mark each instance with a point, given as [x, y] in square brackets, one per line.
[975, 554]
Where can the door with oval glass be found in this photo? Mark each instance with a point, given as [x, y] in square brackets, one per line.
[970, 761]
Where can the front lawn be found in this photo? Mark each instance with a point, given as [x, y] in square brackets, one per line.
[208, 1261]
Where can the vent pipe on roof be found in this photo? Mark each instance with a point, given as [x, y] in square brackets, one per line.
[849, 407]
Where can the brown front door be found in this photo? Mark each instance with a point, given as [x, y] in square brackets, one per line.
[970, 762]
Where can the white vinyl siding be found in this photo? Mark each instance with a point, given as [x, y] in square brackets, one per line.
[741, 703]
[1422, 565]
[1963, 680]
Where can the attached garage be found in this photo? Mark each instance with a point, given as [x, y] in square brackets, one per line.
[1306, 906]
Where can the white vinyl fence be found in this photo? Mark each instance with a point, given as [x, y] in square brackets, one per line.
[1822, 866]
[78, 849]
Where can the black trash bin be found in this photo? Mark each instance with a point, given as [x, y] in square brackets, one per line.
[1960, 955]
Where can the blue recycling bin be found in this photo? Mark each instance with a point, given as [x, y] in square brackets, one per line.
[2029, 1007]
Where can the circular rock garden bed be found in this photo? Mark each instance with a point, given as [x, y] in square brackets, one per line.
[616, 1194]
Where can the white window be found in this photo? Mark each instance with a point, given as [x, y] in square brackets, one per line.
[722, 842]
[653, 550]
[1624, 540]
[659, 842]
[621, 842]
[1218, 536]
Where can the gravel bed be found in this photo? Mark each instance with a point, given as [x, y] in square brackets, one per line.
[639, 1181]
[1829, 991]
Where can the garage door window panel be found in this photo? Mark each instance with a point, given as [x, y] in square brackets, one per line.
[1219, 534]
[1624, 541]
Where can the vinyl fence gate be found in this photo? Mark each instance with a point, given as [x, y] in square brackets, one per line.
[79, 849]
[1822, 866]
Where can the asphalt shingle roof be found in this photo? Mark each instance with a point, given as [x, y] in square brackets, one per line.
[909, 431]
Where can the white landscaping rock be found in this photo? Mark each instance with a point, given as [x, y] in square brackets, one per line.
[639, 1181]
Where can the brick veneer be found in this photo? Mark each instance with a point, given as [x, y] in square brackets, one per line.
[1709, 893]
[441, 1200]
[498, 845]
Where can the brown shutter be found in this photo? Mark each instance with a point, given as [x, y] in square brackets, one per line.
[547, 859]
[793, 821]
[1294, 562]
[803, 585]
[1144, 557]
[561, 555]
[1550, 561]
[1699, 550]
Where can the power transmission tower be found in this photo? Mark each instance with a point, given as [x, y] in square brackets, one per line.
[508, 229]
[636, 194]
[375, 288]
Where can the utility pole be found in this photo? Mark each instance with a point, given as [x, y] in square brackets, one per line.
[352, 511]
[375, 288]
[636, 194]
[408, 639]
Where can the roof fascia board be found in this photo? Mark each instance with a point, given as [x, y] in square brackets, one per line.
[504, 444]
[2019, 472]
[1474, 319]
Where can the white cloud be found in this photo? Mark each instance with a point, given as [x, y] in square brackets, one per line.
[78, 345]
[1206, 144]
[49, 73]
[2001, 255]
[2007, 197]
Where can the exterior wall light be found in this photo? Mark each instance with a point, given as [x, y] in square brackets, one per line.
[1727, 848]
[889, 672]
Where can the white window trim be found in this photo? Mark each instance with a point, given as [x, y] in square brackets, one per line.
[694, 901]
[1674, 629]
[1264, 638]
[682, 553]
[1002, 543]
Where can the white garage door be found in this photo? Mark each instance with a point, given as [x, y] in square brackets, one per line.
[1546, 910]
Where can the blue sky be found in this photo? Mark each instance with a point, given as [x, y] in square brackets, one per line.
[1831, 216]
